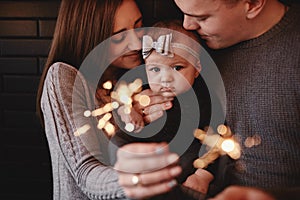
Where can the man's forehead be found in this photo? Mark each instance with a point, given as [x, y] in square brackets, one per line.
[197, 7]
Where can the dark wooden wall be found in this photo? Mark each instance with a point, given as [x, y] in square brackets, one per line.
[26, 29]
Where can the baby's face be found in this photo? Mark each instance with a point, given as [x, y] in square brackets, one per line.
[169, 76]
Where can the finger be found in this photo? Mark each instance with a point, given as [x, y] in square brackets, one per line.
[153, 116]
[146, 164]
[124, 117]
[134, 150]
[157, 107]
[138, 129]
[157, 99]
[151, 178]
[140, 192]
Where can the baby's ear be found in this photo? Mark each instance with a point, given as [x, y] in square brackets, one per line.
[199, 68]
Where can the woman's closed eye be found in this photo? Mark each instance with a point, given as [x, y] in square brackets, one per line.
[119, 37]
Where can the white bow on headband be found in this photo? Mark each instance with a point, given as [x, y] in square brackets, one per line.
[163, 46]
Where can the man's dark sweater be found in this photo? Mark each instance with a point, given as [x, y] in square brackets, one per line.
[262, 82]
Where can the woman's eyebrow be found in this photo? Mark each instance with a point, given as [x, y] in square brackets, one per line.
[119, 31]
[138, 20]
[124, 29]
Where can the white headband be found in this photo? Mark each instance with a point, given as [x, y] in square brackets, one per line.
[163, 46]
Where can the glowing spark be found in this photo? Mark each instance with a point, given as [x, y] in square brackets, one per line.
[127, 110]
[144, 100]
[115, 105]
[122, 95]
[107, 116]
[129, 127]
[97, 112]
[82, 130]
[222, 143]
[136, 85]
[235, 153]
[107, 108]
[227, 145]
[109, 128]
[87, 113]
[257, 139]
[107, 85]
[249, 142]
[101, 123]
[125, 99]
[224, 130]
[252, 141]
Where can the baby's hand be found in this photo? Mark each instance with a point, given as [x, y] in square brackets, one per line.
[199, 181]
[133, 117]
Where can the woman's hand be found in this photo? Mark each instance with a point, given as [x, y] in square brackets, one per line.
[146, 169]
[243, 193]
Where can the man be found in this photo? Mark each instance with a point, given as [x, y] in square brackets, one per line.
[256, 46]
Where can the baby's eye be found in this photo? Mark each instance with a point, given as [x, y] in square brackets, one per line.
[177, 67]
[154, 69]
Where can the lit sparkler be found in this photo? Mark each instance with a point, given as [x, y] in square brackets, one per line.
[219, 144]
[82, 130]
[123, 95]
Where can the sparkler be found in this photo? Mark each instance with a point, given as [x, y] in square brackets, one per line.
[219, 144]
[123, 95]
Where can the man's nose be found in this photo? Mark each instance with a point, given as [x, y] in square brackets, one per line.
[189, 23]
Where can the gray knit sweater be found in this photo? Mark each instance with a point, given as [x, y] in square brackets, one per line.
[78, 165]
[262, 82]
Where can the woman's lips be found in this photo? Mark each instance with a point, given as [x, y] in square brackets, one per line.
[132, 55]
[204, 37]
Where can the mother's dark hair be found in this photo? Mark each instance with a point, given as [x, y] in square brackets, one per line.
[81, 25]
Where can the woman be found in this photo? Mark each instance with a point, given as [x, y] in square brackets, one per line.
[78, 161]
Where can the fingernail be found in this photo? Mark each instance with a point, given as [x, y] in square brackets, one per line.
[168, 104]
[172, 183]
[175, 171]
[160, 113]
[159, 150]
[172, 158]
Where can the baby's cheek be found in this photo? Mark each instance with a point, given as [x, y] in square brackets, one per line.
[155, 87]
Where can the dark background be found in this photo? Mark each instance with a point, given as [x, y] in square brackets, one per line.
[26, 29]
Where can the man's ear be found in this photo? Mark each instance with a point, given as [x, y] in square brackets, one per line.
[254, 7]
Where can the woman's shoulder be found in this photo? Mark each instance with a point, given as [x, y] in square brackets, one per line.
[60, 67]
[61, 73]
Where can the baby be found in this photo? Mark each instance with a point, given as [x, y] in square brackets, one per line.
[173, 66]
[172, 63]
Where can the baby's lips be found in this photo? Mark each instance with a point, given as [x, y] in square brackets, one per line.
[168, 92]
[167, 89]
